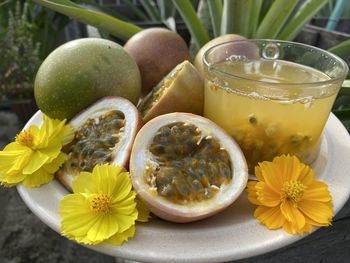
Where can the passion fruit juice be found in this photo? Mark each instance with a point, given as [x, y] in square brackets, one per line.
[264, 119]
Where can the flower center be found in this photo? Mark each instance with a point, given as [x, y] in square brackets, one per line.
[100, 203]
[25, 138]
[293, 190]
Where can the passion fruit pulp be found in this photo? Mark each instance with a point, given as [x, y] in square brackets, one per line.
[185, 167]
[104, 133]
[182, 90]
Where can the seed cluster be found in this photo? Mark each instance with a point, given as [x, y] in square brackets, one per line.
[262, 142]
[94, 142]
[189, 167]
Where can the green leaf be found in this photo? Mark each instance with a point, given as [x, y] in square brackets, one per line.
[264, 8]
[275, 18]
[167, 13]
[236, 17]
[341, 49]
[151, 9]
[227, 21]
[215, 10]
[167, 9]
[135, 10]
[254, 17]
[111, 25]
[194, 25]
[303, 16]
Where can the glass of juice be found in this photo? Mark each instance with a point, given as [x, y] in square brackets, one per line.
[274, 97]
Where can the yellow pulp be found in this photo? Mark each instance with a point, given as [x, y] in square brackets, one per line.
[269, 125]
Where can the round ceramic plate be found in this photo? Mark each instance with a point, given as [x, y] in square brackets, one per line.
[232, 234]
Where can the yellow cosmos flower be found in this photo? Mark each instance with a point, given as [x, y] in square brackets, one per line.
[35, 155]
[289, 197]
[102, 207]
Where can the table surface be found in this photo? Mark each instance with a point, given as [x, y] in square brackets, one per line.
[24, 238]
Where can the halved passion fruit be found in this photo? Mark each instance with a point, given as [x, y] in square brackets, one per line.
[104, 133]
[185, 167]
[181, 90]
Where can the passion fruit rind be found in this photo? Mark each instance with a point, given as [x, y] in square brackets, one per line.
[80, 72]
[182, 90]
[104, 133]
[146, 158]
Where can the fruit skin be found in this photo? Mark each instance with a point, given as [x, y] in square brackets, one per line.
[198, 61]
[156, 51]
[132, 127]
[184, 94]
[82, 71]
[192, 212]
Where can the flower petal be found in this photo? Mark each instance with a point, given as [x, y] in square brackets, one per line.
[266, 196]
[11, 179]
[53, 166]
[126, 222]
[120, 238]
[292, 214]
[77, 218]
[143, 211]
[127, 206]
[52, 149]
[258, 173]
[252, 194]
[119, 180]
[318, 211]
[12, 155]
[290, 228]
[288, 167]
[317, 191]
[37, 160]
[123, 187]
[85, 182]
[270, 216]
[306, 175]
[106, 226]
[18, 162]
[66, 134]
[38, 178]
[271, 176]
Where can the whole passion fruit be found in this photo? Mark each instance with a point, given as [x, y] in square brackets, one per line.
[182, 90]
[156, 51]
[186, 168]
[104, 133]
[80, 72]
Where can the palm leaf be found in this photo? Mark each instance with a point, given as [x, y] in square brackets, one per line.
[194, 25]
[111, 25]
[304, 15]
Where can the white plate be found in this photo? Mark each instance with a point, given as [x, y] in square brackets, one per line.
[230, 235]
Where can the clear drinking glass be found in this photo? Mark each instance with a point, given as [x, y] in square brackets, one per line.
[274, 97]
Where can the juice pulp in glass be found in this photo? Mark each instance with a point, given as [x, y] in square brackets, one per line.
[268, 125]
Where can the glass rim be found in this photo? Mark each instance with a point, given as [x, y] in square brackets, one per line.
[343, 64]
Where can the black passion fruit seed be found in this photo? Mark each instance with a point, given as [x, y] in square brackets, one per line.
[94, 142]
[189, 167]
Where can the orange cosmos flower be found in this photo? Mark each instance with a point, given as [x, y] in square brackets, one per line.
[289, 197]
